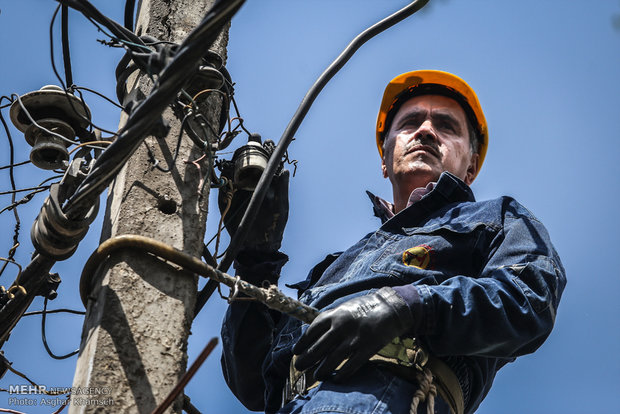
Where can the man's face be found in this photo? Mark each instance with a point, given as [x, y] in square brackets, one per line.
[427, 136]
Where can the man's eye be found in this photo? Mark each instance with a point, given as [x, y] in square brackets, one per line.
[446, 126]
[410, 124]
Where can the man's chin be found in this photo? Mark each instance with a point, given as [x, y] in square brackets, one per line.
[420, 177]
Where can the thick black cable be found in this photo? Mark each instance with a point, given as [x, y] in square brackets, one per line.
[87, 9]
[287, 137]
[172, 78]
[130, 6]
[66, 55]
[302, 110]
[44, 338]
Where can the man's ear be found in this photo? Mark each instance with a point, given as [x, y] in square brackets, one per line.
[383, 167]
[472, 169]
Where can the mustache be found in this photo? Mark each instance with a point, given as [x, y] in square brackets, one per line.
[418, 145]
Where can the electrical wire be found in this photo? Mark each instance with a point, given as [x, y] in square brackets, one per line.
[14, 189]
[170, 81]
[90, 144]
[44, 337]
[51, 34]
[79, 88]
[234, 102]
[17, 164]
[24, 200]
[271, 296]
[175, 155]
[68, 86]
[287, 137]
[122, 34]
[73, 311]
[24, 189]
[39, 387]
[130, 6]
[66, 55]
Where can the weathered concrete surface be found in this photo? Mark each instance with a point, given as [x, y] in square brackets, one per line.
[138, 320]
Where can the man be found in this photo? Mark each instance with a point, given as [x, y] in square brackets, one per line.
[475, 283]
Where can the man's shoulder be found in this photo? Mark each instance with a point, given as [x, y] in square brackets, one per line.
[508, 207]
[491, 212]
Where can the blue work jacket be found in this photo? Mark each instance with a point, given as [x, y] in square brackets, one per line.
[482, 279]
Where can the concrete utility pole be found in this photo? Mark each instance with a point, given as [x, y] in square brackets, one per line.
[138, 319]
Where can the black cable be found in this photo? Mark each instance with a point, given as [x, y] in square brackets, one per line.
[79, 88]
[24, 200]
[67, 62]
[24, 189]
[81, 97]
[14, 188]
[232, 99]
[73, 311]
[129, 38]
[175, 155]
[171, 80]
[4, 167]
[51, 178]
[130, 6]
[66, 56]
[51, 33]
[295, 122]
[8, 98]
[44, 338]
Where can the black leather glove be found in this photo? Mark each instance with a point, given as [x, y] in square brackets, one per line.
[357, 329]
[265, 234]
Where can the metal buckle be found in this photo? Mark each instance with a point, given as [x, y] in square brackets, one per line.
[300, 385]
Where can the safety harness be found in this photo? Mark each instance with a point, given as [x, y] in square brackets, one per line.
[406, 359]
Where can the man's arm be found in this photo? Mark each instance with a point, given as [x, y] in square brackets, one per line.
[510, 309]
[247, 332]
[248, 327]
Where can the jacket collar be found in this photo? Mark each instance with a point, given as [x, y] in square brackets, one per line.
[449, 189]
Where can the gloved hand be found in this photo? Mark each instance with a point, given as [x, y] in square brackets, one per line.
[265, 234]
[357, 329]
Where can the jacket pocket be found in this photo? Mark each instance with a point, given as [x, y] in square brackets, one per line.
[434, 253]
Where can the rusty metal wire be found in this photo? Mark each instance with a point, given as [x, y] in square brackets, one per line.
[271, 296]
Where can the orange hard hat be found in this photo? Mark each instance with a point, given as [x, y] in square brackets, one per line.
[425, 82]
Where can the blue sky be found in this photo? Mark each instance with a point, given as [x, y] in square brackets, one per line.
[546, 75]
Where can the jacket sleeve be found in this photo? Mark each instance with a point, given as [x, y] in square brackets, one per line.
[247, 332]
[510, 308]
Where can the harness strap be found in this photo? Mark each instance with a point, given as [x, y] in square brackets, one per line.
[406, 359]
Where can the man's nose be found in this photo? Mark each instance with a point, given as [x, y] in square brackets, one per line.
[426, 132]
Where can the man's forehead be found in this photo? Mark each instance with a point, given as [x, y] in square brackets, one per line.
[436, 103]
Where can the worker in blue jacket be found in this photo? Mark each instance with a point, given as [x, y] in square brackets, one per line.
[419, 315]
